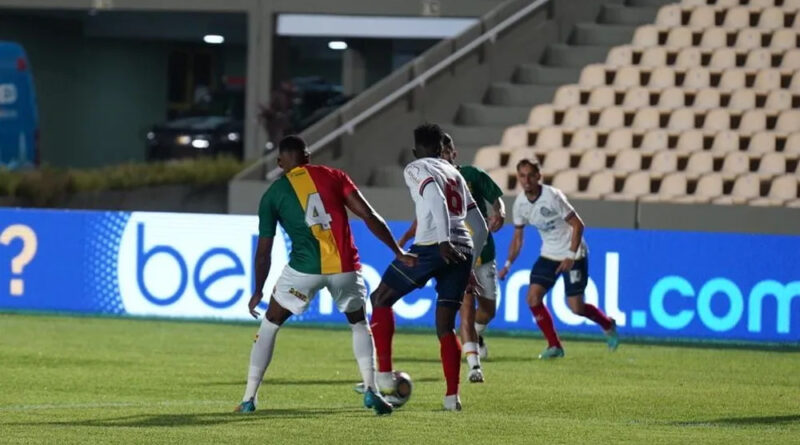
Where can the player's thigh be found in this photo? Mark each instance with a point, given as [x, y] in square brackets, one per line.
[576, 279]
[402, 279]
[543, 273]
[487, 278]
[348, 291]
[451, 283]
[294, 290]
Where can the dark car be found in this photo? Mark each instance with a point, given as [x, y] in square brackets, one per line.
[196, 136]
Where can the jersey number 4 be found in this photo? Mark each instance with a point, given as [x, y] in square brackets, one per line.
[316, 214]
[455, 203]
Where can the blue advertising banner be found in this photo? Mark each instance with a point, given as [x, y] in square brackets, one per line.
[654, 283]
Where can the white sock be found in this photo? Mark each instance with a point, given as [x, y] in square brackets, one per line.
[364, 352]
[260, 356]
[480, 329]
[385, 381]
[471, 351]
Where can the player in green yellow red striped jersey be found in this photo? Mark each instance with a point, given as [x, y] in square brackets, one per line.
[473, 324]
[311, 202]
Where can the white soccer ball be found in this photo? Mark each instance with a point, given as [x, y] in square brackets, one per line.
[403, 388]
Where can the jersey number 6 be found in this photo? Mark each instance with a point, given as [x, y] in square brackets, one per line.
[455, 203]
[316, 214]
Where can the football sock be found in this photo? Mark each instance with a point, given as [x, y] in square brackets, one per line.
[545, 322]
[471, 351]
[362, 349]
[596, 315]
[383, 330]
[480, 329]
[260, 356]
[450, 350]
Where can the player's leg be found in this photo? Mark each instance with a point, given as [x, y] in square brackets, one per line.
[487, 303]
[543, 276]
[575, 282]
[451, 282]
[469, 337]
[289, 297]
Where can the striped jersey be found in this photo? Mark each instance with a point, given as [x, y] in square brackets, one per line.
[308, 202]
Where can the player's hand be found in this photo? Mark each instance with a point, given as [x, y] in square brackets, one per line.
[496, 222]
[503, 273]
[408, 259]
[254, 301]
[450, 254]
[474, 286]
[565, 265]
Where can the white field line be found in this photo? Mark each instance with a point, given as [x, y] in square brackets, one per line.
[114, 405]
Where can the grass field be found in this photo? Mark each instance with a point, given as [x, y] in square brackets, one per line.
[91, 380]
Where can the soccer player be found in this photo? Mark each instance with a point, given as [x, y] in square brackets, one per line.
[310, 202]
[445, 249]
[473, 324]
[564, 252]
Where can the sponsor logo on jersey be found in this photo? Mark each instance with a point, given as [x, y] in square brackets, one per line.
[547, 213]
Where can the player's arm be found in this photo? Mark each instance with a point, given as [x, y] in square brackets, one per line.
[409, 234]
[494, 194]
[477, 226]
[357, 204]
[574, 220]
[517, 240]
[267, 225]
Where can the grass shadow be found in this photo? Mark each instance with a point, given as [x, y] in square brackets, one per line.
[745, 421]
[286, 382]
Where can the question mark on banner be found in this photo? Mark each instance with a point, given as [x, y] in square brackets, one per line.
[29, 246]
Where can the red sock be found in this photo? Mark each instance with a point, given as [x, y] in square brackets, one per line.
[450, 350]
[382, 332]
[596, 315]
[545, 322]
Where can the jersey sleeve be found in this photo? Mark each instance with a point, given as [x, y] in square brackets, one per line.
[267, 216]
[562, 206]
[417, 178]
[346, 184]
[517, 212]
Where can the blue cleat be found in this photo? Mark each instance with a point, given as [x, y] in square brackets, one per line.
[612, 338]
[552, 352]
[377, 402]
[248, 406]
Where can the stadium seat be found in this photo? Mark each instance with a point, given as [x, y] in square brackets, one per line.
[778, 100]
[734, 164]
[619, 139]
[791, 58]
[576, 117]
[725, 142]
[646, 119]
[600, 184]
[782, 190]
[771, 165]
[627, 161]
[733, 79]
[700, 163]
[690, 141]
[592, 161]
[503, 179]
[722, 58]
[761, 3]
[664, 162]
[784, 39]
[726, 3]
[697, 78]
[759, 58]
[637, 97]
[549, 138]
[645, 36]
[542, 116]
[709, 98]
[792, 146]
[672, 186]
[662, 77]
[708, 187]
[627, 77]
[794, 86]
[748, 38]
[681, 119]
[746, 188]
[788, 121]
[690, 58]
[670, 15]
[771, 18]
[555, 161]
[519, 154]
[768, 79]
[636, 185]
[742, 99]
[737, 18]
[679, 37]
[611, 117]
[567, 96]
[620, 56]
[566, 181]
[713, 38]
[761, 143]
[717, 120]
[654, 57]
[602, 96]
[515, 136]
[584, 139]
[488, 158]
[753, 121]
[703, 17]
[593, 75]
[655, 140]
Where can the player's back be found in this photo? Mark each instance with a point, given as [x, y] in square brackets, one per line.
[309, 203]
[423, 172]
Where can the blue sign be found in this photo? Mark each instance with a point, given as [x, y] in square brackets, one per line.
[654, 283]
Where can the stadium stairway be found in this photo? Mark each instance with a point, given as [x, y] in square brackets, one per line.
[509, 103]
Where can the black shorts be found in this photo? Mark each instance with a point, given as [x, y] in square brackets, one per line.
[451, 279]
[575, 280]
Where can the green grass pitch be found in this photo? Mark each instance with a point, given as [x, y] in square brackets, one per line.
[93, 380]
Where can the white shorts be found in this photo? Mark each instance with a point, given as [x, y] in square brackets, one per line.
[295, 290]
[487, 277]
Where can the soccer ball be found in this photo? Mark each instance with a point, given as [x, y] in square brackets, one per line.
[403, 388]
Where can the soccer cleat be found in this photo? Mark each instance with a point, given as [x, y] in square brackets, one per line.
[483, 350]
[612, 338]
[552, 352]
[452, 403]
[359, 388]
[476, 375]
[247, 406]
[376, 402]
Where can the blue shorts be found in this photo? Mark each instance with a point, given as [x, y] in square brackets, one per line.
[575, 280]
[451, 279]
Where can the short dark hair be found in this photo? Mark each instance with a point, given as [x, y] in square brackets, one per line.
[429, 137]
[292, 143]
[447, 140]
[533, 163]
